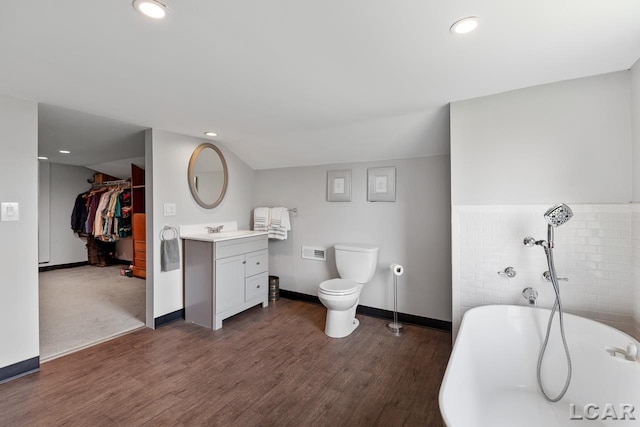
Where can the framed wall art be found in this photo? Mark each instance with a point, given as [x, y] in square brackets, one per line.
[339, 185]
[381, 184]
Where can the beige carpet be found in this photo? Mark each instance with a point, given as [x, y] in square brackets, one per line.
[85, 305]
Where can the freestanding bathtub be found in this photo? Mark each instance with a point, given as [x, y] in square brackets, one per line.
[491, 376]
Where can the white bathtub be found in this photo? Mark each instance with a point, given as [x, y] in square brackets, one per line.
[491, 375]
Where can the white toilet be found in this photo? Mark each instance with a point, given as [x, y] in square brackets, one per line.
[356, 266]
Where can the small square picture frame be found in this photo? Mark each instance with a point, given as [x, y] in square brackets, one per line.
[339, 185]
[381, 184]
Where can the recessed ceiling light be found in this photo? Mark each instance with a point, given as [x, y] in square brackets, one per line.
[465, 25]
[211, 134]
[43, 158]
[151, 8]
[64, 152]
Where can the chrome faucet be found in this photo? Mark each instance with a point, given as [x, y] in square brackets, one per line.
[530, 295]
[214, 229]
[508, 272]
[630, 354]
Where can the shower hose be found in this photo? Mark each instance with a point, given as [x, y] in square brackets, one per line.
[557, 306]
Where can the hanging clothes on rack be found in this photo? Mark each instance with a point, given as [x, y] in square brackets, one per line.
[93, 200]
[98, 224]
[103, 212]
[79, 214]
[108, 224]
[124, 221]
[103, 216]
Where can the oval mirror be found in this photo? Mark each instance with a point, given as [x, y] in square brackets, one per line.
[207, 175]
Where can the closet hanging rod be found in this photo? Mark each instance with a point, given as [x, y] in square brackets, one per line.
[113, 183]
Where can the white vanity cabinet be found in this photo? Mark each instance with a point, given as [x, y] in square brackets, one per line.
[223, 278]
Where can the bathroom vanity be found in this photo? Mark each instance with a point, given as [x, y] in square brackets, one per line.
[225, 273]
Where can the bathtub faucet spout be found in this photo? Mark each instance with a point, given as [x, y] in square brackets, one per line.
[530, 295]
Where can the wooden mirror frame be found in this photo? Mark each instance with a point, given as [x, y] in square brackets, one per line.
[190, 175]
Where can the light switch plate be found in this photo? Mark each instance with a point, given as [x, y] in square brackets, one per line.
[169, 209]
[9, 211]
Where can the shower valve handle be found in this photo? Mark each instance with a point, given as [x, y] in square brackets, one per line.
[509, 272]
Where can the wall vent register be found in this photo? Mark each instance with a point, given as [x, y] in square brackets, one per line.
[318, 254]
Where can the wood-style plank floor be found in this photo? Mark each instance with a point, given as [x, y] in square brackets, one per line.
[265, 367]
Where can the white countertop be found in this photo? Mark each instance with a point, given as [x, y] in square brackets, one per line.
[222, 236]
[229, 231]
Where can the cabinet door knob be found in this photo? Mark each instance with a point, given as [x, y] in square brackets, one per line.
[258, 263]
[244, 262]
[258, 286]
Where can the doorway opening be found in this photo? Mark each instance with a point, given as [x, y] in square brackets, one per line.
[91, 230]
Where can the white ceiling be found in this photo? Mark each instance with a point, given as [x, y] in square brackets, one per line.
[99, 143]
[289, 82]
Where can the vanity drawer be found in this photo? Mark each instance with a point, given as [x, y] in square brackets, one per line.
[140, 246]
[240, 246]
[257, 262]
[256, 286]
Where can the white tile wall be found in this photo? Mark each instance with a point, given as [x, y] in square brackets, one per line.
[598, 250]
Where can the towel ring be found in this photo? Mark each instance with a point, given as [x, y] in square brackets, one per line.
[168, 228]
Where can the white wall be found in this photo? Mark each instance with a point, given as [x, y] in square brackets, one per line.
[19, 253]
[525, 150]
[65, 183]
[635, 110]
[44, 220]
[413, 231]
[635, 265]
[168, 154]
[568, 141]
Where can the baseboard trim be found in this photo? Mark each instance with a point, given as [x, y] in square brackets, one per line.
[299, 297]
[114, 261]
[61, 266]
[19, 369]
[168, 318]
[428, 322]
[442, 325]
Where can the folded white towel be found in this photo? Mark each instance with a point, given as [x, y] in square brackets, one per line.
[261, 219]
[285, 220]
[279, 223]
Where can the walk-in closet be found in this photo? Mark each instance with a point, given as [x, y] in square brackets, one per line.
[92, 253]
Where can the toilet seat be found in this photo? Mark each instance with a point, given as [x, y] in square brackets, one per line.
[339, 287]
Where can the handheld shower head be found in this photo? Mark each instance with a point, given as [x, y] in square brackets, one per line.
[555, 216]
[558, 215]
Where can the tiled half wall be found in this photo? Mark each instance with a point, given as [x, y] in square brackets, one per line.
[598, 251]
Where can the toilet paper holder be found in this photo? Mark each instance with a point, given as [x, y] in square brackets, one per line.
[397, 269]
[395, 326]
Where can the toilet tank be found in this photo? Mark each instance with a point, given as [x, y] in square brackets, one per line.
[356, 261]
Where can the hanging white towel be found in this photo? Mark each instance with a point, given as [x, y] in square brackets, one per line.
[261, 219]
[279, 224]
